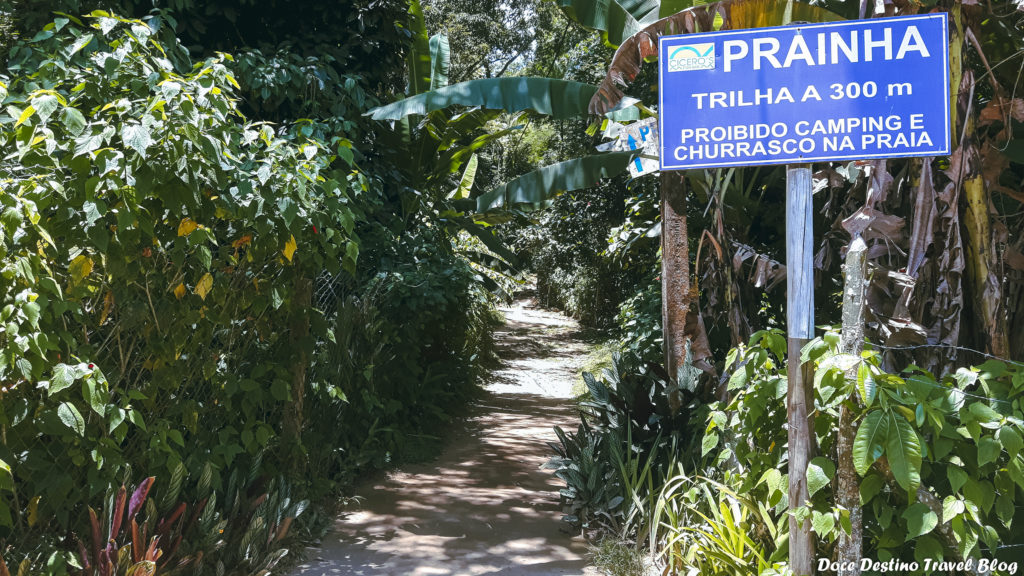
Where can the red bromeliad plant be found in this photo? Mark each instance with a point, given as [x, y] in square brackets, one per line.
[128, 549]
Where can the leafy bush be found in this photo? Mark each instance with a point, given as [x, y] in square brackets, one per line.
[172, 274]
[957, 435]
[628, 440]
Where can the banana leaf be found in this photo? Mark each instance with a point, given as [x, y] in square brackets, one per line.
[418, 58]
[551, 96]
[615, 19]
[439, 61]
[536, 187]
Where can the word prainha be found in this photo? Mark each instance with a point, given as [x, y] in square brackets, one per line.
[826, 48]
[983, 565]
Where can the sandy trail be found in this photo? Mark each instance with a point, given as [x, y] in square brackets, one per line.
[484, 506]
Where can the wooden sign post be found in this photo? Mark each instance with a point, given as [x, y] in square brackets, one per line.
[800, 330]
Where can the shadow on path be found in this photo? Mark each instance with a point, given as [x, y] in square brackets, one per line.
[484, 507]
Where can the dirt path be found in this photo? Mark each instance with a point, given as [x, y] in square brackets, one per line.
[484, 506]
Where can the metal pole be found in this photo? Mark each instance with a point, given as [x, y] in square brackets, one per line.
[800, 327]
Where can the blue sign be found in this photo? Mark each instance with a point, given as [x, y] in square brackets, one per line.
[816, 92]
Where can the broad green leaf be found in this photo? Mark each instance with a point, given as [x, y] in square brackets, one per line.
[534, 188]
[136, 137]
[957, 477]
[94, 392]
[117, 416]
[920, 520]
[951, 506]
[1011, 440]
[493, 243]
[617, 20]
[708, 443]
[418, 58]
[984, 412]
[1005, 508]
[903, 450]
[71, 418]
[819, 473]
[351, 257]
[24, 366]
[866, 384]
[870, 439]
[135, 417]
[979, 493]
[823, 523]
[988, 450]
[869, 487]
[64, 375]
[670, 7]
[554, 97]
[439, 61]
[45, 105]
[73, 121]
[82, 42]
[466, 182]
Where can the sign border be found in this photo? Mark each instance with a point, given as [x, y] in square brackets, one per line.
[945, 151]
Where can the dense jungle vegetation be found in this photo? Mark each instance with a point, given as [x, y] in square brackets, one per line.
[250, 251]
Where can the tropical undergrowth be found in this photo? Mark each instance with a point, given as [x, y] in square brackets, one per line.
[207, 321]
[714, 500]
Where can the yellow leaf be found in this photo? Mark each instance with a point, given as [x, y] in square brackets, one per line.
[108, 304]
[204, 286]
[33, 511]
[80, 267]
[179, 291]
[289, 248]
[25, 115]
[186, 227]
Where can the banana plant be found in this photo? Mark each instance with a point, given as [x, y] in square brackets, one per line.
[634, 27]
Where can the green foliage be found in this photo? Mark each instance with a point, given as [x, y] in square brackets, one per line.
[616, 20]
[145, 224]
[154, 247]
[554, 97]
[534, 188]
[615, 463]
[592, 490]
[955, 436]
[712, 529]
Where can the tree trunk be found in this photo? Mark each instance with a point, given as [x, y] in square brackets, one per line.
[675, 276]
[299, 337]
[848, 550]
[982, 263]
